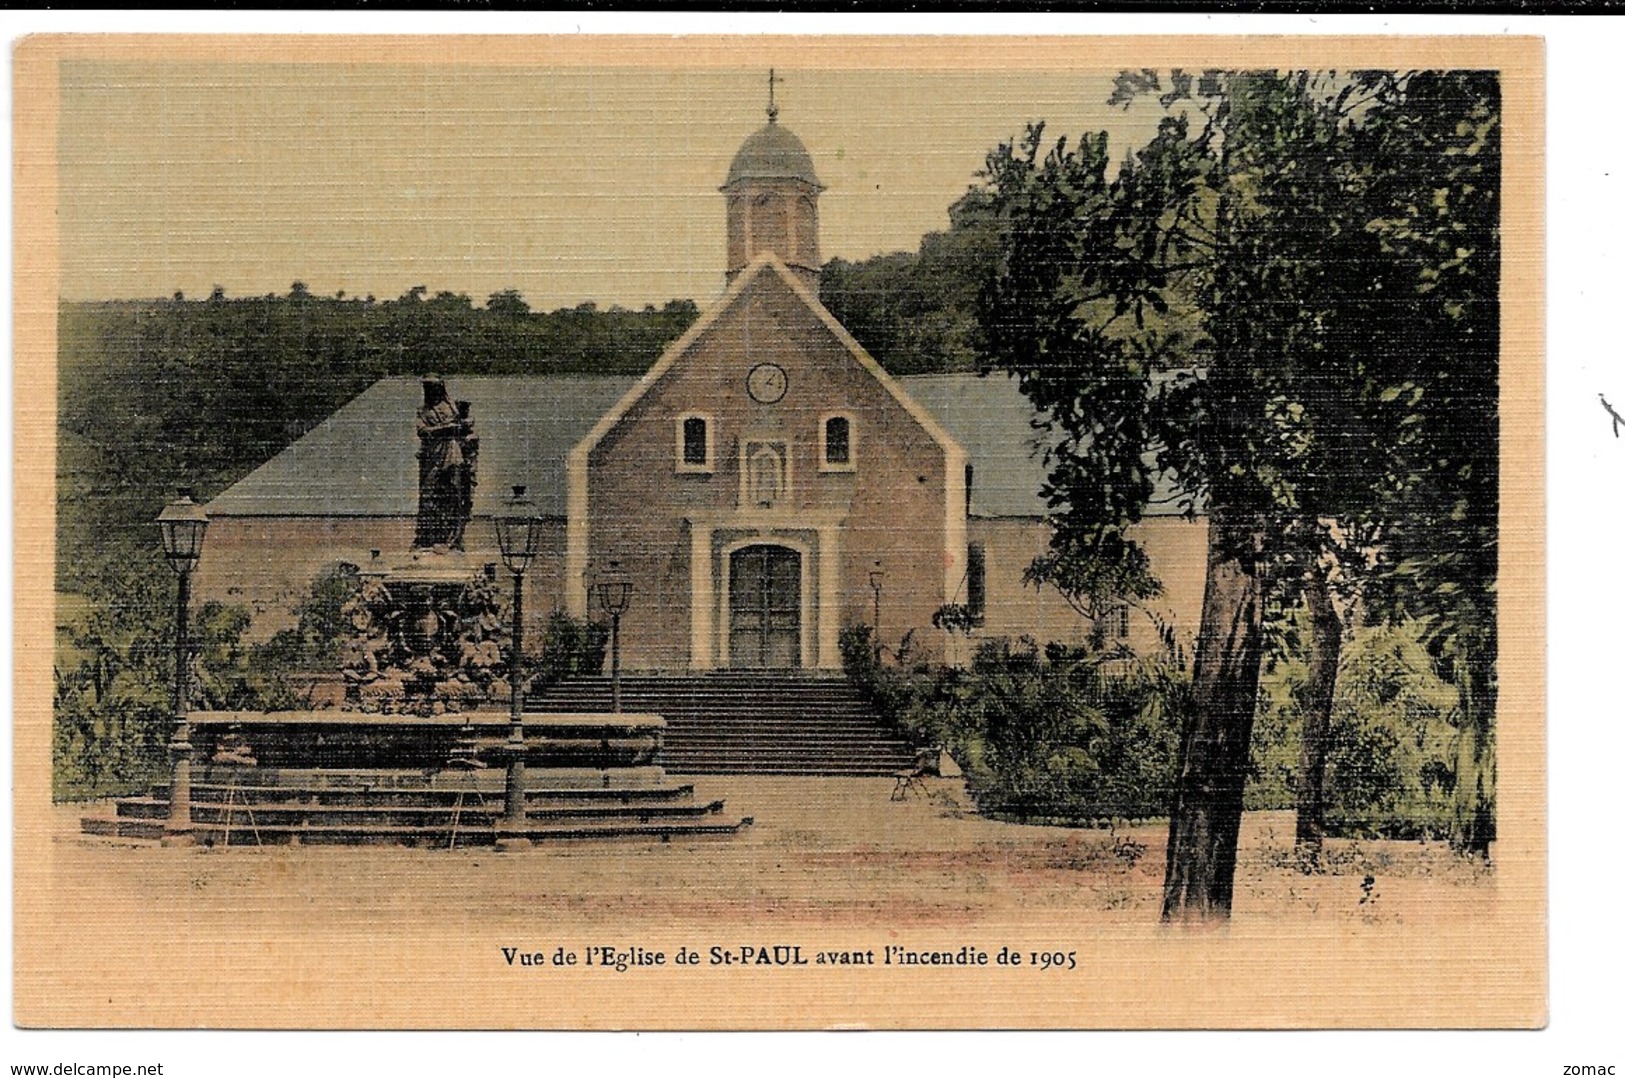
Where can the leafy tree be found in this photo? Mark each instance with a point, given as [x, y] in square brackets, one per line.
[1390, 747]
[1438, 228]
[1268, 203]
[1044, 733]
[915, 312]
[507, 302]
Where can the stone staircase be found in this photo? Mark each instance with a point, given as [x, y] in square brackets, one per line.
[405, 808]
[750, 723]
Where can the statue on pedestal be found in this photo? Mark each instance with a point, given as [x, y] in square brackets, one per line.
[448, 451]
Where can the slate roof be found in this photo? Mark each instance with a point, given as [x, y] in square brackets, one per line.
[992, 420]
[361, 460]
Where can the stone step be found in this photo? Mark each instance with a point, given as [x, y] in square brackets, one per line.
[110, 827]
[804, 769]
[407, 834]
[680, 709]
[549, 701]
[337, 795]
[142, 808]
[471, 824]
[773, 735]
[760, 690]
[737, 757]
[246, 818]
[688, 711]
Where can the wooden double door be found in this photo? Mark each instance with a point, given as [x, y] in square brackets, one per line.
[764, 607]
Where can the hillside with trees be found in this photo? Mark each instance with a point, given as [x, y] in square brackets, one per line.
[152, 394]
[915, 311]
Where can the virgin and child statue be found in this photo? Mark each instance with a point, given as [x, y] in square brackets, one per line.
[448, 451]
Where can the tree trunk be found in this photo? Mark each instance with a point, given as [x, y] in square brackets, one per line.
[1325, 650]
[1473, 826]
[1213, 753]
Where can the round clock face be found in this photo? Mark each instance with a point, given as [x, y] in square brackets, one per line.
[767, 383]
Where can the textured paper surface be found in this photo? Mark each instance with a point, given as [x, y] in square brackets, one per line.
[337, 938]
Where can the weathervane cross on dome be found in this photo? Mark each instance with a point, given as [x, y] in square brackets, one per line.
[772, 106]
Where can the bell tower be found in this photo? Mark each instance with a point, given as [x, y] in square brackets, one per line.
[772, 196]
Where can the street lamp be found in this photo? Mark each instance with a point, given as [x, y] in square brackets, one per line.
[615, 595]
[182, 524]
[519, 534]
[877, 576]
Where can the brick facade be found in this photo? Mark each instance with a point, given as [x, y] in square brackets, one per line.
[674, 526]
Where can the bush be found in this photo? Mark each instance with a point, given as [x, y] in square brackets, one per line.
[1390, 768]
[571, 647]
[1052, 733]
[113, 705]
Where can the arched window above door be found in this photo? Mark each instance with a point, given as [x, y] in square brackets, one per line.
[764, 476]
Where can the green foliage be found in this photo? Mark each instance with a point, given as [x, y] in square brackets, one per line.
[1334, 239]
[112, 704]
[1391, 762]
[113, 701]
[571, 647]
[916, 312]
[1051, 733]
[113, 707]
[313, 644]
[956, 618]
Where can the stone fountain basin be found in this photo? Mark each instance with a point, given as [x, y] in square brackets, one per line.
[349, 739]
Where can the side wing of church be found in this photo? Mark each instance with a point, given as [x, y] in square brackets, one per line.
[763, 485]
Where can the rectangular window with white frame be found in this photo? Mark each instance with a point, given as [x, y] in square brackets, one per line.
[1113, 622]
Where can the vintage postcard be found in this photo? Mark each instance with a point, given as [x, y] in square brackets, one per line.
[779, 533]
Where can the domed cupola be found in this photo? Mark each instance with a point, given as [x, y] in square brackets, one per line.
[772, 194]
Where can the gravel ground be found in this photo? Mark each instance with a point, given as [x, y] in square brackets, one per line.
[827, 851]
[115, 934]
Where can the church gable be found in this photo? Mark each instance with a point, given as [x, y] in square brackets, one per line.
[768, 402]
[767, 318]
[768, 427]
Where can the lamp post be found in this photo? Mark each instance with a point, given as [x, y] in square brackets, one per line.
[615, 595]
[182, 524]
[519, 534]
[877, 576]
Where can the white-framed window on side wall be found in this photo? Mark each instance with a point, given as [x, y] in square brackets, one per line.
[1113, 622]
[837, 443]
[696, 443]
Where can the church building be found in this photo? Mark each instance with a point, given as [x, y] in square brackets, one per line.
[764, 484]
